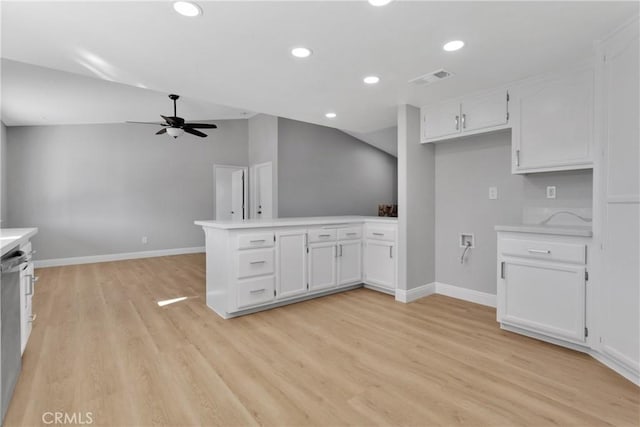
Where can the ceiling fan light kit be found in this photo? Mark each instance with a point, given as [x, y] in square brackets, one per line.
[176, 126]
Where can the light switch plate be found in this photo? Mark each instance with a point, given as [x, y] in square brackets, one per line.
[551, 192]
[493, 193]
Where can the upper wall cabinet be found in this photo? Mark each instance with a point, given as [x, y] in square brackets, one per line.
[466, 116]
[552, 126]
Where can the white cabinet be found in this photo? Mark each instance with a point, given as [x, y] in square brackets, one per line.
[617, 195]
[380, 264]
[553, 122]
[322, 266]
[27, 287]
[292, 263]
[349, 262]
[542, 286]
[466, 116]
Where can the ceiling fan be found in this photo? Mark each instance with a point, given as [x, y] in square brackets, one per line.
[176, 126]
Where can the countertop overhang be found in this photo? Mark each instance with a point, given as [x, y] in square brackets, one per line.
[11, 238]
[558, 230]
[293, 222]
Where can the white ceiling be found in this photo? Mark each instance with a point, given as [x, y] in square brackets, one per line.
[237, 53]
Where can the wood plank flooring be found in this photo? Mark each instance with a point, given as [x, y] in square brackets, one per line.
[101, 344]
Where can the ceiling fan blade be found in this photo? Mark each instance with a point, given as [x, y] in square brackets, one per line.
[194, 132]
[148, 123]
[200, 125]
[161, 131]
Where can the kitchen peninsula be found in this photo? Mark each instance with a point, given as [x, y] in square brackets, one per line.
[258, 264]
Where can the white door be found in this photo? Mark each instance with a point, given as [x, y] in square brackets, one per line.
[230, 191]
[379, 264]
[553, 127]
[322, 266]
[544, 297]
[237, 195]
[292, 263]
[620, 302]
[440, 120]
[486, 111]
[263, 191]
[349, 262]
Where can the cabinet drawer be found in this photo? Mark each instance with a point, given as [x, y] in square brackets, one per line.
[350, 233]
[379, 233]
[257, 240]
[322, 235]
[255, 263]
[255, 291]
[540, 249]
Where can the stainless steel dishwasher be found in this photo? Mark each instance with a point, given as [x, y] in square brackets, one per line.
[10, 341]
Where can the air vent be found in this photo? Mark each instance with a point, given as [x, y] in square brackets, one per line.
[432, 77]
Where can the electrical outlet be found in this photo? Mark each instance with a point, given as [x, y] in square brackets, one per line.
[551, 192]
[493, 193]
[145, 240]
[467, 239]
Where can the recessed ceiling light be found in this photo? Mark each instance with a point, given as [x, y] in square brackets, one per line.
[330, 115]
[186, 8]
[379, 2]
[371, 80]
[453, 45]
[301, 52]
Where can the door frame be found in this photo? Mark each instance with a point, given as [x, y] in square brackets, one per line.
[233, 168]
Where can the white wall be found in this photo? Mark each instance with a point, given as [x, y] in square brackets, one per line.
[323, 171]
[3, 174]
[263, 147]
[416, 195]
[464, 171]
[97, 189]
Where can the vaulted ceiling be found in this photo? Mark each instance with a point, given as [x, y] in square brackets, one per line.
[124, 57]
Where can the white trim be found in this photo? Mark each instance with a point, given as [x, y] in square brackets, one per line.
[616, 366]
[410, 295]
[466, 294]
[116, 257]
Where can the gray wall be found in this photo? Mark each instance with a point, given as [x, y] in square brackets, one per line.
[263, 147]
[323, 171]
[3, 175]
[465, 170]
[416, 194]
[97, 189]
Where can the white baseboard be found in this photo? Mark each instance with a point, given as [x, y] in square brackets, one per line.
[613, 364]
[404, 295]
[465, 294]
[116, 257]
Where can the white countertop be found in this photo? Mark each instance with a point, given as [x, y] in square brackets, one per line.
[559, 230]
[292, 222]
[11, 238]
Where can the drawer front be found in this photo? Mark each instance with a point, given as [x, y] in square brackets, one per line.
[380, 233]
[256, 240]
[322, 235]
[255, 291]
[255, 263]
[540, 249]
[350, 233]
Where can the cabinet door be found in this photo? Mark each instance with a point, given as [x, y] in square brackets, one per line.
[379, 264]
[544, 297]
[620, 297]
[440, 121]
[27, 282]
[322, 266]
[484, 112]
[553, 123]
[349, 262]
[292, 263]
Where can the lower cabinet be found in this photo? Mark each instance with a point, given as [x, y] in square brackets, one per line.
[380, 263]
[292, 263]
[349, 262]
[542, 283]
[27, 284]
[323, 272]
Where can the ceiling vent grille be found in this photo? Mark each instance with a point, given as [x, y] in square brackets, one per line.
[432, 77]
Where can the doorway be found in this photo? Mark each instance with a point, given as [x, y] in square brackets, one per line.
[231, 188]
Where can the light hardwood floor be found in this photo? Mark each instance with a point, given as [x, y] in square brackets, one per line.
[101, 344]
